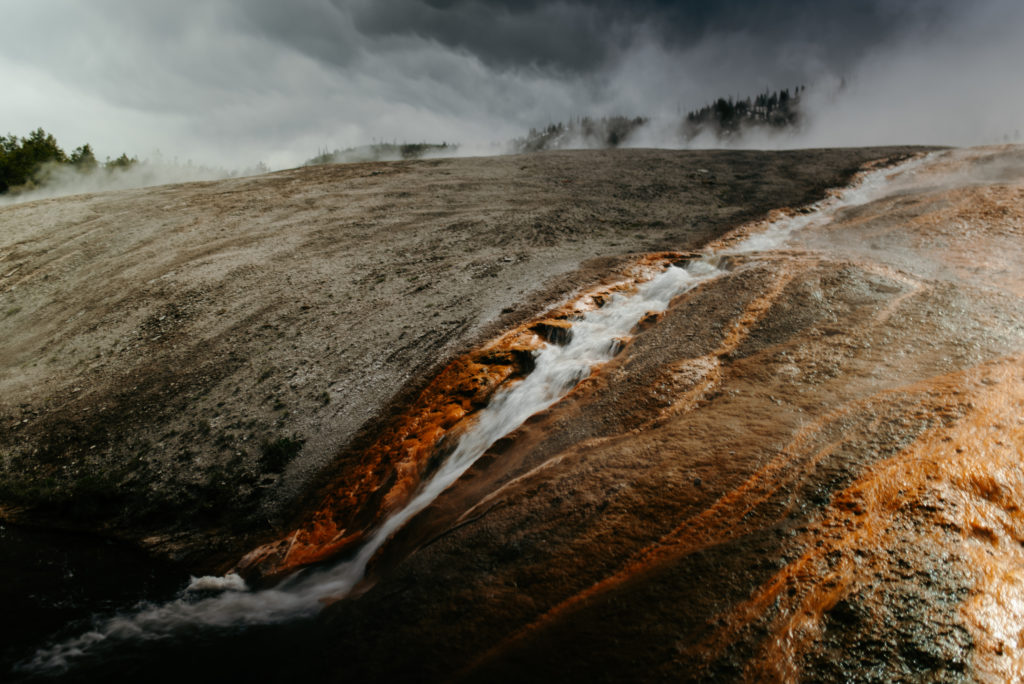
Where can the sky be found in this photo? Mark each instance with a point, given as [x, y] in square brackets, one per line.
[237, 82]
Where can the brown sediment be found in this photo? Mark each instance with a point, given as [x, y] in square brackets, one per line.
[394, 465]
[412, 445]
[555, 331]
[809, 469]
[712, 525]
[140, 400]
[953, 490]
[155, 341]
[981, 470]
[952, 494]
[956, 487]
[845, 552]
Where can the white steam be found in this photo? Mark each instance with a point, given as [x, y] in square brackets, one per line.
[227, 82]
[208, 583]
[60, 180]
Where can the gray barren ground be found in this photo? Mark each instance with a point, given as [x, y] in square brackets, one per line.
[180, 365]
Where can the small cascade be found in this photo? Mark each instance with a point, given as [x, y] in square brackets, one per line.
[570, 355]
[595, 339]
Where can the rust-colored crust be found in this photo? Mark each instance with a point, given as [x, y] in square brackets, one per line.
[397, 462]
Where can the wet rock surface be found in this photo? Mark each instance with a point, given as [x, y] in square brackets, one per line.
[54, 581]
[808, 469]
[183, 365]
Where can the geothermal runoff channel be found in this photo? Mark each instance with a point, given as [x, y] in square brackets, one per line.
[595, 339]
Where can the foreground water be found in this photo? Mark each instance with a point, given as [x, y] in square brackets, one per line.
[223, 607]
[52, 580]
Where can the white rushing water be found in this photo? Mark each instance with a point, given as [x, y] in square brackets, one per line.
[558, 369]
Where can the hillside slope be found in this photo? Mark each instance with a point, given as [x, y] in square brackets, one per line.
[180, 365]
[809, 469]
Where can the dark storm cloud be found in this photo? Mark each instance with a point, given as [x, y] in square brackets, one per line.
[317, 28]
[584, 35]
[549, 35]
[236, 81]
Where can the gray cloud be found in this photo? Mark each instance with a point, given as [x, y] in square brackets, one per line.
[232, 82]
[559, 36]
[583, 35]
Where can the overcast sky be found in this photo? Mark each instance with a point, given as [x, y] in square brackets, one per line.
[233, 82]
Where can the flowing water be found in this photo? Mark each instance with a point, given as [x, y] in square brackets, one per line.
[226, 603]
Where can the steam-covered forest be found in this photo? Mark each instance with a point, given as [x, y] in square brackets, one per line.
[381, 152]
[724, 119]
[581, 132]
[728, 117]
[29, 162]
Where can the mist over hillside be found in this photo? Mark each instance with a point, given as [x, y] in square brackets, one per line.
[258, 83]
[724, 123]
[36, 167]
[384, 152]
